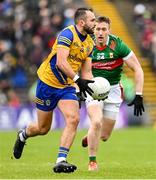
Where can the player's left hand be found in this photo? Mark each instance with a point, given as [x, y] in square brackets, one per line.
[83, 85]
[138, 105]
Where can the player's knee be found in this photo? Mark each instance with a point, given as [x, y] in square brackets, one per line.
[73, 120]
[97, 125]
[43, 130]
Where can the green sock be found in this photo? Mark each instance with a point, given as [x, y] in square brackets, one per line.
[92, 158]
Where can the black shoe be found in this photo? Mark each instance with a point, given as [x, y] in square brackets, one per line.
[64, 167]
[18, 147]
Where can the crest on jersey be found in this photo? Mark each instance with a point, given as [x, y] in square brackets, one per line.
[112, 45]
[76, 44]
[111, 55]
[82, 49]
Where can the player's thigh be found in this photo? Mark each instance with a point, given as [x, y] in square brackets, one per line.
[44, 119]
[94, 108]
[69, 109]
[68, 104]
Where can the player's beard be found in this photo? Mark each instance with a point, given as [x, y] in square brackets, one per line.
[88, 30]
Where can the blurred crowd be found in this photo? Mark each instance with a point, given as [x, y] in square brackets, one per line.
[27, 32]
[145, 21]
[28, 29]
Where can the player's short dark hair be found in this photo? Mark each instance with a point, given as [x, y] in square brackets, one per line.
[105, 19]
[81, 13]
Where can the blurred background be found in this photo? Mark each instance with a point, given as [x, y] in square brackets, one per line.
[28, 29]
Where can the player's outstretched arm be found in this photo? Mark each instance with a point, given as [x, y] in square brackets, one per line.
[134, 64]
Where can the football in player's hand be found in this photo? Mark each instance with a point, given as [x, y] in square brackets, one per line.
[101, 88]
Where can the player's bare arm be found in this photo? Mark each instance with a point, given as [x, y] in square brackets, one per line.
[134, 64]
[86, 71]
[63, 64]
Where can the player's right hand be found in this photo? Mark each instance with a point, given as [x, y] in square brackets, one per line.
[83, 85]
[138, 105]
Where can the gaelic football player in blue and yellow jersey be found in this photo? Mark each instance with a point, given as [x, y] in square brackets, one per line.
[57, 74]
[108, 57]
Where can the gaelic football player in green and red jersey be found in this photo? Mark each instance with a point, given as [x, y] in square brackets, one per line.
[108, 56]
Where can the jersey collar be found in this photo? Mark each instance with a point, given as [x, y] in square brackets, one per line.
[81, 36]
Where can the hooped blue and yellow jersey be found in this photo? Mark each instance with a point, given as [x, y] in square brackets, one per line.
[80, 49]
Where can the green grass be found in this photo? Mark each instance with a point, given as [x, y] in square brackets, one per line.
[129, 153]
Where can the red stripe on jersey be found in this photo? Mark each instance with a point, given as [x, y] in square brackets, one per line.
[107, 65]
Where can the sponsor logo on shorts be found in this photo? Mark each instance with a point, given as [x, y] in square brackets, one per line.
[48, 102]
[74, 94]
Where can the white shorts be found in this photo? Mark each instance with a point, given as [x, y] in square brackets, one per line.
[112, 103]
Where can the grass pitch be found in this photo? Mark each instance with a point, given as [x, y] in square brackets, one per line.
[129, 153]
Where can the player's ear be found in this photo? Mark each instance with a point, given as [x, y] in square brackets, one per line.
[82, 22]
[110, 31]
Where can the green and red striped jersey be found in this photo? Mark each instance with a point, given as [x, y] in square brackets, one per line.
[107, 61]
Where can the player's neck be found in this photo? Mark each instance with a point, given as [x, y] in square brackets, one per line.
[100, 44]
[80, 29]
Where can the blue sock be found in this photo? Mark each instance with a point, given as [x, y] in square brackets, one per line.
[62, 154]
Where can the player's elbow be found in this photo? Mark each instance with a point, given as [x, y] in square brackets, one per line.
[139, 74]
[138, 70]
[59, 65]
